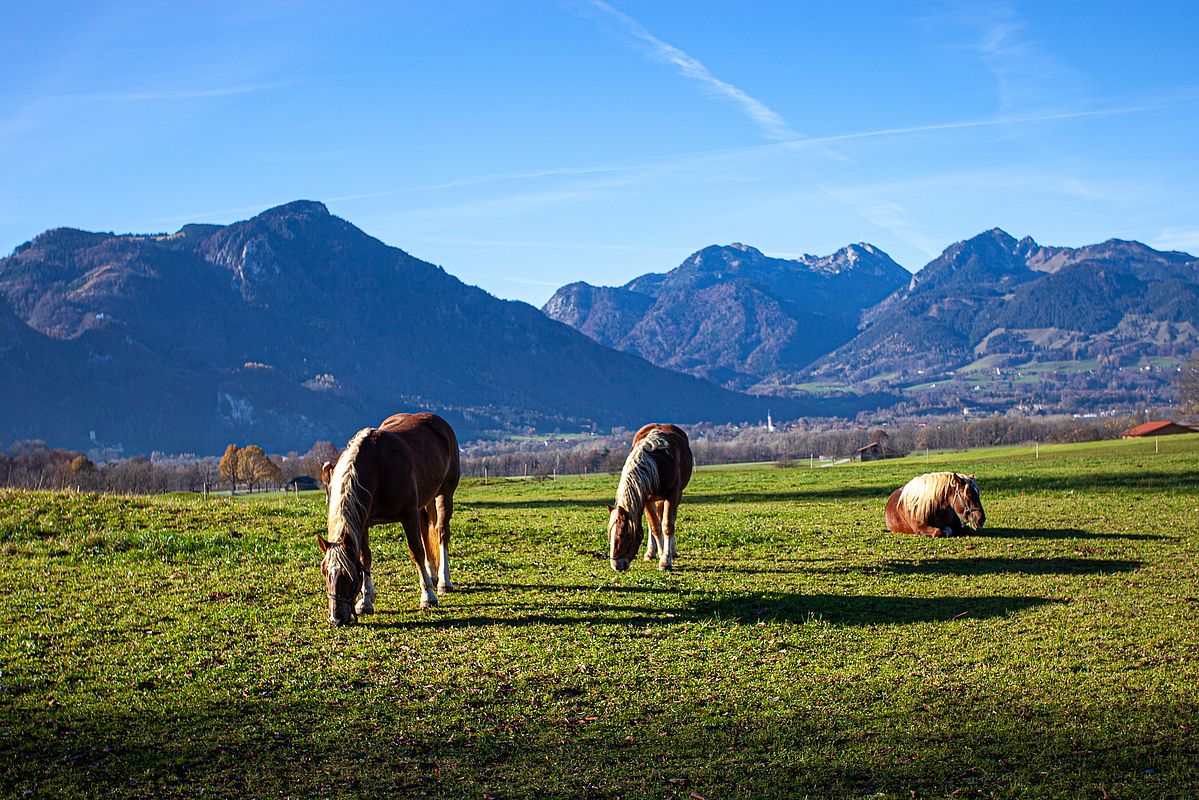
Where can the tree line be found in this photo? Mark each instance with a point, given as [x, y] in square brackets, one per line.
[31, 464]
[34, 465]
[802, 440]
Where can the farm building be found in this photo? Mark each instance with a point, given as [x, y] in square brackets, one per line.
[302, 483]
[876, 451]
[1160, 428]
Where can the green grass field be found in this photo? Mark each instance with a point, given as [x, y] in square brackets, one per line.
[160, 647]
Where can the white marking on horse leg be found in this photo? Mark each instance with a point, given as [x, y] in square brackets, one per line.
[428, 595]
[665, 562]
[669, 553]
[428, 590]
[651, 549]
[366, 598]
[443, 580]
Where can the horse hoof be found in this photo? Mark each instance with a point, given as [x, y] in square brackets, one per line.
[445, 589]
[665, 567]
[363, 610]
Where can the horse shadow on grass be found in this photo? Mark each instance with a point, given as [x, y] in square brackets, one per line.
[746, 609]
[1061, 533]
[997, 566]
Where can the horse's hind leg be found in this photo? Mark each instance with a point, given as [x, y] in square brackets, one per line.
[653, 512]
[365, 603]
[428, 521]
[416, 549]
[444, 509]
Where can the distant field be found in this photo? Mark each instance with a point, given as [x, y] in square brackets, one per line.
[171, 647]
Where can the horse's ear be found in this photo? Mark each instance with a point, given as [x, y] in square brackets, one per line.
[609, 507]
[326, 472]
[972, 475]
[324, 545]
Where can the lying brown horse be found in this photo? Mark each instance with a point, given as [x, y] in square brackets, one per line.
[936, 504]
[404, 471]
[654, 476]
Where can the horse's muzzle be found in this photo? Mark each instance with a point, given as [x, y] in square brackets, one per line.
[620, 564]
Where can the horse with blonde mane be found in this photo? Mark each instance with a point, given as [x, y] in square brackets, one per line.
[936, 504]
[655, 473]
[405, 471]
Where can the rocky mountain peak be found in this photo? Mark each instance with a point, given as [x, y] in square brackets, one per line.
[296, 208]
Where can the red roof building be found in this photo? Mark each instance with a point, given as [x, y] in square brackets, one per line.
[1161, 428]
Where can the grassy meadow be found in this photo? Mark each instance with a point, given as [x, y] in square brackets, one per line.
[163, 647]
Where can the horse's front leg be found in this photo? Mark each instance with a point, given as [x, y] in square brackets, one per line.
[662, 513]
[929, 529]
[416, 549]
[445, 510]
[669, 511]
[366, 598]
[655, 544]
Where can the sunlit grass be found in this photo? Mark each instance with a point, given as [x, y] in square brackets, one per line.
[164, 646]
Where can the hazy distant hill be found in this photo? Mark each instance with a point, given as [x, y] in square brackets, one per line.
[992, 304]
[292, 326]
[732, 314]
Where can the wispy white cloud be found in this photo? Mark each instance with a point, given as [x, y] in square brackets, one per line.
[770, 123]
[631, 171]
[985, 180]
[1026, 72]
[156, 95]
[990, 122]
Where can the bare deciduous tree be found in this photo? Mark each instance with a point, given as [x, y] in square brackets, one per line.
[1187, 386]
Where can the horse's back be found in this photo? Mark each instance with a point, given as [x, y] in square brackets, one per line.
[429, 441]
[680, 448]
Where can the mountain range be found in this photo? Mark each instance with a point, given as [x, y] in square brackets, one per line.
[993, 305]
[992, 320]
[733, 315]
[295, 326]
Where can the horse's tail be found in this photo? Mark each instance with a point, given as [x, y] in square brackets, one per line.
[428, 518]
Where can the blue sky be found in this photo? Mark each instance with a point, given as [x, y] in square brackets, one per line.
[524, 145]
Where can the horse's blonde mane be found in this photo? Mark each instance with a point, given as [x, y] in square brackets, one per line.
[925, 492]
[346, 510]
[639, 477]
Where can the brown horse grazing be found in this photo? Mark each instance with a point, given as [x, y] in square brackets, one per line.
[404, 471]
[936, 504]
[654, 476]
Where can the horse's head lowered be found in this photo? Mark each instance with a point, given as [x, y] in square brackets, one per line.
[343, 576]
[625, 533]
[966, 502]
